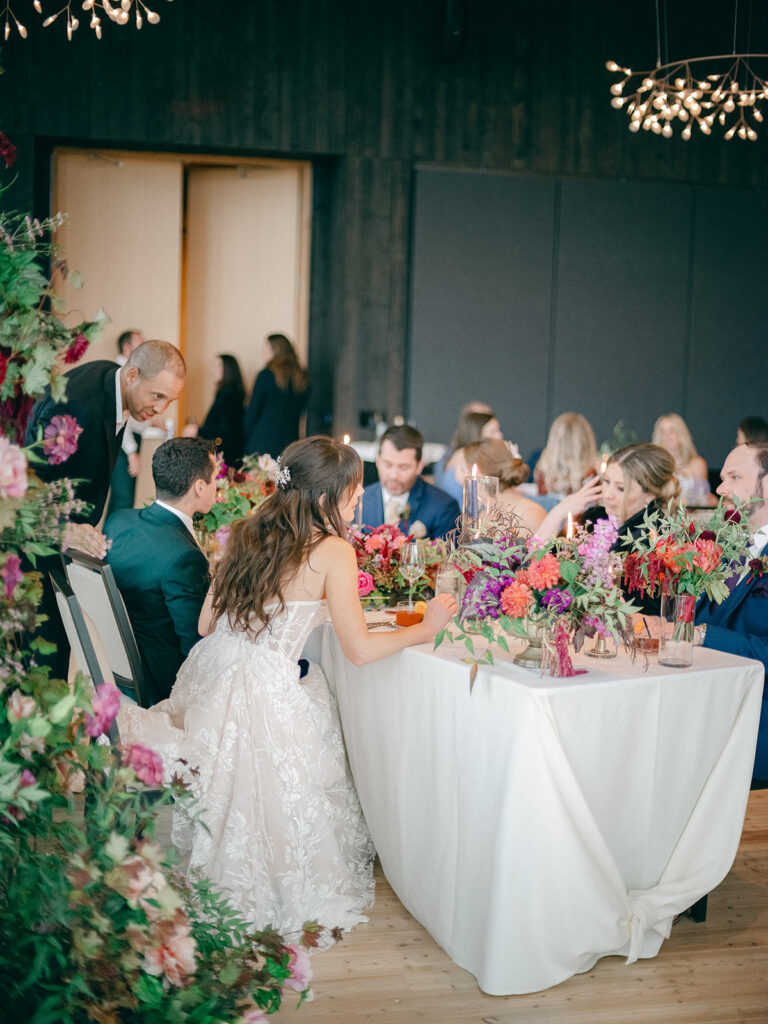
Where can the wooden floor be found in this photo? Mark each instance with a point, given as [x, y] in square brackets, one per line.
[390, 970]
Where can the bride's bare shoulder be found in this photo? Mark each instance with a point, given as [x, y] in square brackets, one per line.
[332, 550]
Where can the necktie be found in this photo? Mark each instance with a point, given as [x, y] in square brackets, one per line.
[738, 573]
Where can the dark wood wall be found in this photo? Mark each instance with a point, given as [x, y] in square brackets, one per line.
[368, 90]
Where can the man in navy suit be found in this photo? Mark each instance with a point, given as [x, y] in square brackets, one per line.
[158, 565]
[401, 496]
[99, 395]
[740, 624]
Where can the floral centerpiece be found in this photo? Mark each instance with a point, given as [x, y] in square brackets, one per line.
[239, 492]
[683, 558]
[554, 594]
[96, 923]
[379, 580]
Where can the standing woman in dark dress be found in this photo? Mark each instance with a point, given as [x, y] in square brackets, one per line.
[277, 402]
[224, 421]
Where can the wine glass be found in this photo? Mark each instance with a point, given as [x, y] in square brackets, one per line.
[412, 565]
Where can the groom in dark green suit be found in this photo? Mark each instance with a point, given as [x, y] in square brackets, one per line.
[158, 565]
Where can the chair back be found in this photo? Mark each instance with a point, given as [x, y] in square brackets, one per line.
[94, 585]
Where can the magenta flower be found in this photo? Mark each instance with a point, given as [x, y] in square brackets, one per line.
[7, 150]
[298, 965]
[222, 535]
[13, 470]
[732, 516]
[105, 706]
[76, 350]
[145, 762]
[60, 439]
[365, 583]
[27, 779]
[11, 574]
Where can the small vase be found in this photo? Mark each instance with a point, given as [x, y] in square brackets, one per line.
[676, 629]
[530, 656]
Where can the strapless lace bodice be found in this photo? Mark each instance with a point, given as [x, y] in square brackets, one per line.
[287, 631]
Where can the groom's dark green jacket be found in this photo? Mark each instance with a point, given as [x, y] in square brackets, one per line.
[163, 577]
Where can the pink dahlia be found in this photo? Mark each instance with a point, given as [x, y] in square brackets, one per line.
[60, 439]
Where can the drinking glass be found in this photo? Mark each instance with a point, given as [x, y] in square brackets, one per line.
[412, 564]
[448, 581]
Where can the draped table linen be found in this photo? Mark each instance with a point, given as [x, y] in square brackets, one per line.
[539, 824]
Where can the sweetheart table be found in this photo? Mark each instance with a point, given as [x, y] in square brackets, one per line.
[539, 824]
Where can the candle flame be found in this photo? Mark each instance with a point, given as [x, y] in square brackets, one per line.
[474, 470]
[569, 531]
[346, 439]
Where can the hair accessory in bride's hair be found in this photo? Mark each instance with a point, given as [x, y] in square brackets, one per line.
[282, 475]
[513, 450]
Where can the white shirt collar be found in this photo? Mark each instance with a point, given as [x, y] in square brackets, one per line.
[400, 500]
[187, 520]
[759, 540]
[120, 418]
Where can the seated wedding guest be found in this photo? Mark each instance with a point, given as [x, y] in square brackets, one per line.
[473, 406]
[401, 496]
[278, 400]
[671, 432]
[472, 427]
[99, 396]
[280, 828]
[568, 459]
[159, 567]
[638, 478]
[752, 430]
[740, 624]
[224, 420]
[501, 459]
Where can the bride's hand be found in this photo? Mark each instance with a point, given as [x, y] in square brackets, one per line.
[439, 613]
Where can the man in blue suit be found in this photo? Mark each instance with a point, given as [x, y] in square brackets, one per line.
[159, 567]
[401, 497]
[740, 624]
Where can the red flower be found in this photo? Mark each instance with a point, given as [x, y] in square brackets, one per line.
[7, 150]
[3, 367]
[732, 516]
[76, 350]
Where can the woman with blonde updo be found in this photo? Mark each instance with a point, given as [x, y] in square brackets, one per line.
[671, 432]
[638, 478]
[500, 459]
[570, 456]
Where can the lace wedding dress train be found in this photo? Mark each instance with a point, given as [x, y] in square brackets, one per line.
[285, 834]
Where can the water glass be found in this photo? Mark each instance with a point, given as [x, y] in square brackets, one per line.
[449, 581]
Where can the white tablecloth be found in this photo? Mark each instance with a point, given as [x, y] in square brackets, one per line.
[540, 824]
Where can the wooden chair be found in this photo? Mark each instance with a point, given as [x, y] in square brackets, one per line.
[94, 586]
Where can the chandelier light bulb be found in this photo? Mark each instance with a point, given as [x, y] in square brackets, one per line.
[153, 17]
[38, 6]
[671, 93]
[117, 11]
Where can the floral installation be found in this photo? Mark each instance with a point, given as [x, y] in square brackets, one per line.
[239, 492]
[377, 549]
[680, 554]
[565, 589]
[682, 557]
[96, 922]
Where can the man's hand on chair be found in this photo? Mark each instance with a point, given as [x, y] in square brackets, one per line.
[86, 538]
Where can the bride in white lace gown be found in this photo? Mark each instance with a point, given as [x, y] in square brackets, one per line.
[283, 832]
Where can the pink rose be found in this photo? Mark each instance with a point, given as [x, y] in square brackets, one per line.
[365, 583]
[11, 574]
[20, 706]
[173, 952]
[145, 762]
[13, 470]
[298, 965]
[105, 706]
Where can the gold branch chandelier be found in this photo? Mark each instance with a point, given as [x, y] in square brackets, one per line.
[694, 92]
[118, 11]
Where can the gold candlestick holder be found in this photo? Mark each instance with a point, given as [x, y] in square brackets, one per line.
[601, 649]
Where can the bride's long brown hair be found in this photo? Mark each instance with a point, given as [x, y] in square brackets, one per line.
[264, 552]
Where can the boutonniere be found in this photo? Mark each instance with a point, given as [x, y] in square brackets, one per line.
[405, 513]
[757, 567]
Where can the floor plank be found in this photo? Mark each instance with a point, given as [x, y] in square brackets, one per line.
[391, 970]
